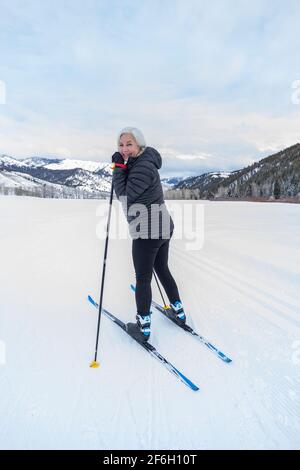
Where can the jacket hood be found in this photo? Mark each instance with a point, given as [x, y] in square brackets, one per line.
[152, 154]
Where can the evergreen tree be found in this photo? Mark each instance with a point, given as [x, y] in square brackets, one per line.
[277, 191]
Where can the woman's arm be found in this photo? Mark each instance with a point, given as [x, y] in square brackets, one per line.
[135, 182]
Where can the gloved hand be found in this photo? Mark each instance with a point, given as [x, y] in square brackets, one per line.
[117, 158]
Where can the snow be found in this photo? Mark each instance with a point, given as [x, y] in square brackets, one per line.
[240, 290]
[57, 164]
[6, 180]
[27, 182]
[7, 160]
[221, 174]
[86, 179]
[68, 164]
[15, 179]
[35, 162]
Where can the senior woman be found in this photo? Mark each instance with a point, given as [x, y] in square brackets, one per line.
[137, 185]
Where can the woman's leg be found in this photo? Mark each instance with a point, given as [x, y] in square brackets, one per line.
[144, 252]
[164, 274]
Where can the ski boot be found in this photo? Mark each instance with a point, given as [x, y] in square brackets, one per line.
[177, 313]
[141, 329]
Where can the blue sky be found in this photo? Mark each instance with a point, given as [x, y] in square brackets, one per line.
[208, 83]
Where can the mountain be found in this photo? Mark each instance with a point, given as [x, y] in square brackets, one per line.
[64, 164]
[53, 177]
[62, 178]
[273, 177]
[169, 183]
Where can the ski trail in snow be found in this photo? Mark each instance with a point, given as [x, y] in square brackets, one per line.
[50, 398]
[223, 268]
[281, 400]
[274, 275]
[240, 286]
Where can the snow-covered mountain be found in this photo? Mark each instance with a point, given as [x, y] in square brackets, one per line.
[63, 164]
[7, 162]
[53, 177]
[276, 176]
[169, 183]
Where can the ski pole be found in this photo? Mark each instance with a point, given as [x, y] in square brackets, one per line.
[95, 364]
[164, 303]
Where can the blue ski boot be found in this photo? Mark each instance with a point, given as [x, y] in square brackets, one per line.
[178, 312]
[141, 329]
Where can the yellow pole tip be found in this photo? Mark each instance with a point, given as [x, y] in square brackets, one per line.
[94, 365]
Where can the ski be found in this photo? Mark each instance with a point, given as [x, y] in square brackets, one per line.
[149, 348]
[188, 329]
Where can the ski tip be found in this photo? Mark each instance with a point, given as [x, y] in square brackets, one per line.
[224, 358]
[187, 381]
[228, 360]
[193, 386]
[90, 299]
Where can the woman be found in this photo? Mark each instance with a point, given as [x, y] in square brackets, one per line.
[137, 183]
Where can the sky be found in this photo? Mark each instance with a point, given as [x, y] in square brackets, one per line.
[212, 85]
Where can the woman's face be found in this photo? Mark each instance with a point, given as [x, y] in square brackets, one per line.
[128, 146]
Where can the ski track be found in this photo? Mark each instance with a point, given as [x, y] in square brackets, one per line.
[285, 411]
[240, 292]
[246, 290]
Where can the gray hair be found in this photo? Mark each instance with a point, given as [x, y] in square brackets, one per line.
[137, 134]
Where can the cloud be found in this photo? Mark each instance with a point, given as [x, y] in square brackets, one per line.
[212, 81]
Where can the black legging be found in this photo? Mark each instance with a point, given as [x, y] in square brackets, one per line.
[148, 254]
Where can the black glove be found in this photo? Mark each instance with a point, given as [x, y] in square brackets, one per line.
[117, 158]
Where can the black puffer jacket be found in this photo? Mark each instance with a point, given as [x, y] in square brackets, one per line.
[140, 182]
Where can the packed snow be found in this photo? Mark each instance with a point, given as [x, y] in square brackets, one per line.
[240, 290]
